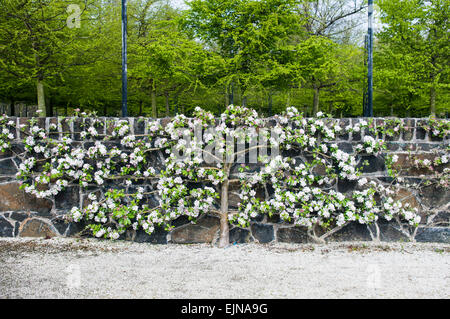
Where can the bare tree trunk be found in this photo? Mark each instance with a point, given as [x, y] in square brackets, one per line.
[41, 97]
[231, 94]
[244, 101]
[176, 103]
[227, 97]
[12, 108]
[49, 105]
[166, 95]
[154, 109]
[224, 239]
[39, 83]
[288, 100]
[311, 232]
[433, 99]
[140, 107]
[316, 101]
[270, 103]
[374, 235]
[433, 85]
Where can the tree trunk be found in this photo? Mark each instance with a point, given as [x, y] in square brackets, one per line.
[312, 234]
[433, 85]
[227, 97]
[41, 97]
[176, 103]
[316, 101]
[49, 106]
[154, 109]
[12, 110]
[166, 95]
[374, 234]
[433, 99]
[288, 99]
[231, 96]
[270, 103]
[140, 108]
[224, 240]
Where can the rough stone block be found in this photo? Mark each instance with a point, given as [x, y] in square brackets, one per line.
[159, 236]
[380, 123]
[351, 232]
[262, 233]
[433, 234]
[14, 199]
[389, 233]
[240, 236]
[376, 164]
[292, 235]
[68, 198]
[434, 196]
[345, 147]
[19, 216]
[442, 219]
[406, 196]
[78, 127]
[392, 146]
[5, 154]
[7, 167]
[139, 126]
[75, 228]
[60, 224]
[34, 227]
[409, 125]
[420, 131]
[274, 219]
[6, 228]
[204, 231]
[345, 185]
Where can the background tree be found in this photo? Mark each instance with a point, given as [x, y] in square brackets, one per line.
[37, 41]
[268, 54]
[416, 36]
[244, 33]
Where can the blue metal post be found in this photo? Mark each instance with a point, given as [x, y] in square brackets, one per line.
[368, 112]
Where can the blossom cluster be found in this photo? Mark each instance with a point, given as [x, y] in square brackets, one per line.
[196, 162]
[6, 135]
[304, 196]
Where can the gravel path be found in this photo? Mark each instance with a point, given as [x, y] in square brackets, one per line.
[90, 268]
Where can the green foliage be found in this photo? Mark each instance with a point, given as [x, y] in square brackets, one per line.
[266, 54]
[413, 57]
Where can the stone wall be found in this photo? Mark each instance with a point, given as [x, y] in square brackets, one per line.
[23, 215]
[20, 109]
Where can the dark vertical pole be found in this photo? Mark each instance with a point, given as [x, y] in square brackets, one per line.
[365, 86]
[124, 59]
[369, 110]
